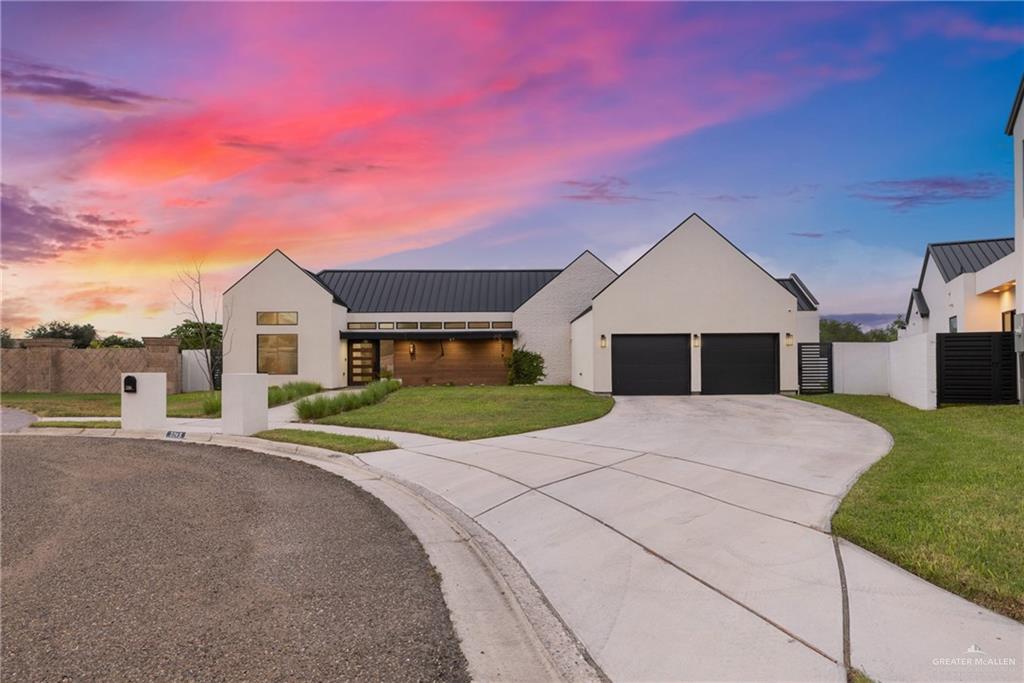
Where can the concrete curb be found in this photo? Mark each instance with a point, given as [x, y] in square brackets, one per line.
[507, 628]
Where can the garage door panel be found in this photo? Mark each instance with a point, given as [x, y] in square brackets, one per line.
[651, 364]
[739, 363]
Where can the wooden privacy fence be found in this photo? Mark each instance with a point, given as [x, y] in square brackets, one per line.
[51, 366]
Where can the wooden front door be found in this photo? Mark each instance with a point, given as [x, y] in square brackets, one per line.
[363, 361]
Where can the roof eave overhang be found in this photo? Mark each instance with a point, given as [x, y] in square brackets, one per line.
[427, 335]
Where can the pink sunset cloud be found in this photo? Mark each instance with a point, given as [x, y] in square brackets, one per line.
[140, 138]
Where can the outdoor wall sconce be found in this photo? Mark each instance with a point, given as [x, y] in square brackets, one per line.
[604, 342]
[789, 339]
[696, 341]
[412, 348]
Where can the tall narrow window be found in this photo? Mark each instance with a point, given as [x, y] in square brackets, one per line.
[1008, 320]
[952, 323]
[277, 354]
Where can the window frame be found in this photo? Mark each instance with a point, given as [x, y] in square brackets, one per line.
[1007, 319]
[361, 326]
[407, 326]
[478, 325]
[501, 325]
[430, 325]
[281, 334]
[277, 315]
[954, 326]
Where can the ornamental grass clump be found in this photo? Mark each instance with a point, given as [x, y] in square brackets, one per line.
[286, 393]
[323, 406]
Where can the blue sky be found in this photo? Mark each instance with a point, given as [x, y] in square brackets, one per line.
[834, 140]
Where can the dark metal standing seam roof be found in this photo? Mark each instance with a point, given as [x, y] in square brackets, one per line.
[957, 258]
[434, 291]
[802, 302]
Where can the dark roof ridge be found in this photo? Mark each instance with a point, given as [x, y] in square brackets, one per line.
[983, 239]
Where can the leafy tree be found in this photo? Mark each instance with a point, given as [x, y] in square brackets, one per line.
[190, 334]
[82, 335]
[6, 340]
[525, 367]
[114, 341]
[845, 331]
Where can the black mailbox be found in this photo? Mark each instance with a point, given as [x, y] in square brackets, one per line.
[130, 384]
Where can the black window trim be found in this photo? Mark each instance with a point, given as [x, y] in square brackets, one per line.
[276, 314]
[278, 334]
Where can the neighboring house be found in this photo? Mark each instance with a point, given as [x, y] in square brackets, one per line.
[693, 314]
[964, 287]
[971, 286]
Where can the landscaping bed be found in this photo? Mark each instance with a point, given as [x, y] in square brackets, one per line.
[946, 502]
[476, 412]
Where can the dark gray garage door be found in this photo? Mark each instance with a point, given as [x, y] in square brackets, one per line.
[650, 364]
[739, 364]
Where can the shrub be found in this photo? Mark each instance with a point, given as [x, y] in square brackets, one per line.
[322, 406]
[291, 391]
[525, 367]
[211, 404]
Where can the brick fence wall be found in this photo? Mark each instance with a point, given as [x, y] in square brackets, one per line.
[51, 366]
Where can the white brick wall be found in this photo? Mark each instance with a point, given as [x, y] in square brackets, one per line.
[543, 321]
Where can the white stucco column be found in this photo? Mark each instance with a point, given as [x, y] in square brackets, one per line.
[244, 403]
[143, 400]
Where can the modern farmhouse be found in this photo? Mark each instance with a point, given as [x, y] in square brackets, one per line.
[693, 314]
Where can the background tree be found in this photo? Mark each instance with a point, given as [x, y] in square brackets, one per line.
[189, 335]
[115, 341]
[845, 331]
[6, 340]
[202, 310]
[82, 335]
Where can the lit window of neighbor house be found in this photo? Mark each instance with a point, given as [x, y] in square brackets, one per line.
[277, 354]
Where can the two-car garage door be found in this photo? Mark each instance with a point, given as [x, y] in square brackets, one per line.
[659, 364]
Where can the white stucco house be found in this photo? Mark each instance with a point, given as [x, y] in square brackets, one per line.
[971, 286]
[694, 314]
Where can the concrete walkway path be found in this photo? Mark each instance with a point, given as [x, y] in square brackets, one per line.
[687, 539]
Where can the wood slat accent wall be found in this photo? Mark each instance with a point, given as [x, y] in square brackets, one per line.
[478, 361]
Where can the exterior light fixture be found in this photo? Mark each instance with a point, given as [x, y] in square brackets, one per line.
[789, 339]
[604, 342]
[696, 341]
[412, 348]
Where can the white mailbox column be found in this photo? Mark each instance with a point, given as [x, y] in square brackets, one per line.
[146, 407]
[244, 403]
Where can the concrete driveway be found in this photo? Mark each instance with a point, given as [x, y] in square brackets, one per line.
[686, 538]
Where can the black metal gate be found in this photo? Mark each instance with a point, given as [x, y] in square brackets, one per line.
[815, 367]
[976, 367]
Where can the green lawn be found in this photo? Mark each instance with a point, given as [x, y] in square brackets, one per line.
[97, 405]
[80, 424]
[190, 404]
[947, 503]
[477, 412]
[342, 443]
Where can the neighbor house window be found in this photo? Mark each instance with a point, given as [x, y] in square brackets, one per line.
[362, 326]
[479, 325]
[1008, 320]
[430, 326]
[952, 323]
[502, 325]
[408, 326]
[455, 326]
[277, 354]
[277, 318]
